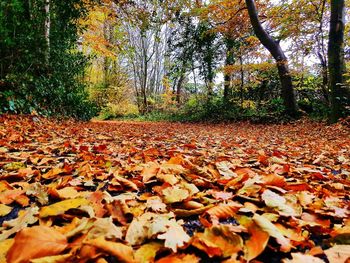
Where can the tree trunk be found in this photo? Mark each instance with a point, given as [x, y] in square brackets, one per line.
[336, 66]
[228, 75]
[274, 48]
[179, 87]
[47, 27]
[242, 79]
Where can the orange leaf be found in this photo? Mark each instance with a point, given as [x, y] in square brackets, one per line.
[179, 258]
[122, 252]
[275, 180]
[8, 196]
[221, 211]
[150, 171]
[257, 242]
[36, 242]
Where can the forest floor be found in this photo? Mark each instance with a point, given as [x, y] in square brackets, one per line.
[170, 192]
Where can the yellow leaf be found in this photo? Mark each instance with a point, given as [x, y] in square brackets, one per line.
[60, 208]
[4, 210]
[53, 259]
[4, 248]
[14, 166]
[147, 252]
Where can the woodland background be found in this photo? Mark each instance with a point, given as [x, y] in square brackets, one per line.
[175, 60]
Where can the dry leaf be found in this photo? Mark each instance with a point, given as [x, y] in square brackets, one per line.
[36, 242]
[60, 208]
[122, 252]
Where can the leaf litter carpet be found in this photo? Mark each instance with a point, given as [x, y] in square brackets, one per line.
[169, 192]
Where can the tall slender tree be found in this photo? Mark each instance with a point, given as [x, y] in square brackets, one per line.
[276, 51]
[339, 93]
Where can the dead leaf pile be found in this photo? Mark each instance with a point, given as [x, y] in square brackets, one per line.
[170, 192]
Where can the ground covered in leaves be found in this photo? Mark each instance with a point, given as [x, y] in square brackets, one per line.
[169, 192]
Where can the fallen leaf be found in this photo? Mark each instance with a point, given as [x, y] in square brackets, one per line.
[338, 253]
[179, 258]
[147, 253]
[60, 208]
[273, 231]
[122, 252]
[53, 259]
[4, 210]
[36, 242]
[218, 241]
[175, 236]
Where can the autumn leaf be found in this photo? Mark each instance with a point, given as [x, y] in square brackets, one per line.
[4, 210]
[104, 227]
[175, 236]
[338, 253]
[61, 207]
[147, 252]
[36, 242]
[175, 194]
[256, 243]
[53, 259]
[278, 202]
[179, 258]
[122, 252]
[149, 171]
[273, 231]
[218, 241]
[25, 218]
[5, 245]
[301, 258]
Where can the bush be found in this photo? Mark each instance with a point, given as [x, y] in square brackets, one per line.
[112, 111]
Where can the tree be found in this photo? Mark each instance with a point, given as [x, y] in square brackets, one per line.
[339, 93]
[276, 51]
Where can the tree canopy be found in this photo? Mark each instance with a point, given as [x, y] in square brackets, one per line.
[183, 59]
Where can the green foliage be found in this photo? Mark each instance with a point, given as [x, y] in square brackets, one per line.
[27, 80]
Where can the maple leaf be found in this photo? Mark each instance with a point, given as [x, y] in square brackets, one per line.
[36, 242]
[155, 203]
[224, 169]
[105, 227]
[146, 226]
[175, 236]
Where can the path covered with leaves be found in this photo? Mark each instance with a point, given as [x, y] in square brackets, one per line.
[168, 192]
